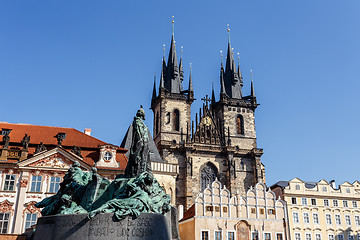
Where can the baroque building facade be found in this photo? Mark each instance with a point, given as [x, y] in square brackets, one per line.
[34, 160]
[321, 210]
[221, 142]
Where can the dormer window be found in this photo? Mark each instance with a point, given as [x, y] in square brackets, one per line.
[5, 131]
[107, 157]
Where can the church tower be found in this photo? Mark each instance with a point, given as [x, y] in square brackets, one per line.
[172, 105]
[219, 144]
[235, 114]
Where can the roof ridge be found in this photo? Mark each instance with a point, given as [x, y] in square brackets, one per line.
[29, 124]
[92, 136]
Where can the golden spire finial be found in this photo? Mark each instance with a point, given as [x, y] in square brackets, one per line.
[164, 49]
[221, 56]
[173, 25]
[181, 52]
[228, 31]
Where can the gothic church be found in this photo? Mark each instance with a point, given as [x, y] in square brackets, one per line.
[219, 144]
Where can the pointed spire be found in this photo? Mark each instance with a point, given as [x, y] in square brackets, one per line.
[162, 75]
[164, 52]
[232, 80]
[154, 89]
[252, 85]
[230, 57]
[173, 77]
[239, 71]
[181, 70]
[222, 84]
[212, 94]
[190, 81]
[172, 61]
[173, 25]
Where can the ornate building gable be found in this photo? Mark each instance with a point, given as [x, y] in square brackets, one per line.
[220, 213]
[207, 130]
[56, 158]
[259, 203]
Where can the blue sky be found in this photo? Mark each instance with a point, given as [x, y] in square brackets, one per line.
[90, 64]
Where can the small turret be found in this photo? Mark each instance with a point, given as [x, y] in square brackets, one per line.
[181, 70]
[222, 84]
[252, 95]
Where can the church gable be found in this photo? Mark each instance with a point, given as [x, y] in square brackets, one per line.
[206, 129]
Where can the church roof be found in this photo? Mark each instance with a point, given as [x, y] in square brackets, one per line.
[154, 153]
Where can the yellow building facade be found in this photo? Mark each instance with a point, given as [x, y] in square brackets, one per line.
[218, 215]
[320, 210]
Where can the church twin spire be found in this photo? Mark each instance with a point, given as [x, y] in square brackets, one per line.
[172, 74]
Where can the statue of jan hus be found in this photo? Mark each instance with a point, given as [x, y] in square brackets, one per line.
[139, 159]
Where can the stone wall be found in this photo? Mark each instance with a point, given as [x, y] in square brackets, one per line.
[166, 108]
[229, 114]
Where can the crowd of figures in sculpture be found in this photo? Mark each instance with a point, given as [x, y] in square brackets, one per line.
[134, 193]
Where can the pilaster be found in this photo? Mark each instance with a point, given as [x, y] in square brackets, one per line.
[20, 202]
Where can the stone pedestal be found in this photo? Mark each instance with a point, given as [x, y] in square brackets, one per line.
[24, 154]
[4, 154]
[147, 226]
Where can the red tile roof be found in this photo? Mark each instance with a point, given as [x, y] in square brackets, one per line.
[46, 134]
[189, 213]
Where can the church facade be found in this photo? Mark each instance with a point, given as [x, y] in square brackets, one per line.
[219, 144]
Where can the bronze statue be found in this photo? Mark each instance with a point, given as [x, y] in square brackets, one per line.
[76, 150]
[40, 148]
[139, 159]
[6, 140]
[25, 142]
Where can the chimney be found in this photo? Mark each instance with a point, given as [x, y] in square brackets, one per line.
[332, 183]
[87, 131]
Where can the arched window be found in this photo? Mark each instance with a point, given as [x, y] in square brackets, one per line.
[157, 124]
[240, 125]
[176, 120]
[208, 175]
